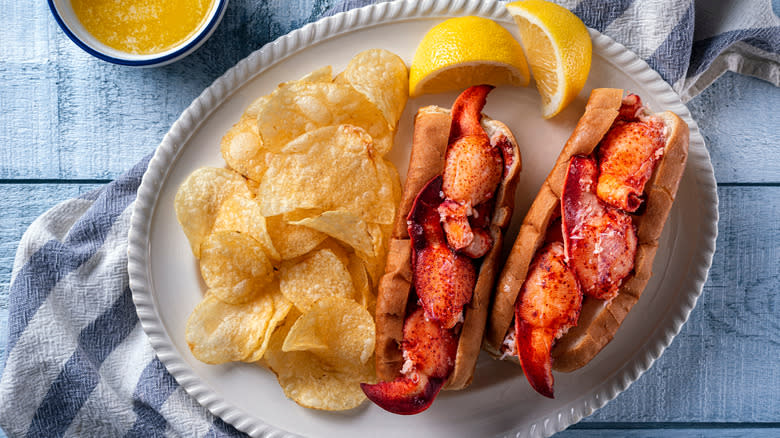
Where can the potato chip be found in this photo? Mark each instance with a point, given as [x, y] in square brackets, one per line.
[317, 275]
[336, 329]
[332, 168]
[242, 213]
[363, 293]
[235, 266]
[253, 185]
[344, 226]
[323, 74]
[389, 175]
[243, 150]
[299, 107]
[282, 309]
[336, 248]
[375, 265]
[389, 194]
[218, 332]
[310, 191]
[199, 197]
[383, 78]
[292, 241]
[310, 381]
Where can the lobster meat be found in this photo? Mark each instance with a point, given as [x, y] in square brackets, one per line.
[449, 229]
[601, 192]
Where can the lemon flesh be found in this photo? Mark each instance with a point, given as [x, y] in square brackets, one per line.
[558, 48]
[465, 51]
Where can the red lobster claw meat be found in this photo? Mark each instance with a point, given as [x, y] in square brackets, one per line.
[429, 351]
[444, 282]
[627, 156]
[600, 241]
[443, 279]
[547, 306]
[473, 169]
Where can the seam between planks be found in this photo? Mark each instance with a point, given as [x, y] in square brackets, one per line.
[675, 425]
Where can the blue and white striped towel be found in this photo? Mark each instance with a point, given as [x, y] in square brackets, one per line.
[78, 363]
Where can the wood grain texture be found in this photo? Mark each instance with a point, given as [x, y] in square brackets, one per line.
[723, 366]
[671, 431]
[740, 121]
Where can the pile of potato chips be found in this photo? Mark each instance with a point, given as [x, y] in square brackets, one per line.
[292, 236]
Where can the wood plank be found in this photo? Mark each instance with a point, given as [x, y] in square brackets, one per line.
[739, 119]
[664, 430]
[723, 366]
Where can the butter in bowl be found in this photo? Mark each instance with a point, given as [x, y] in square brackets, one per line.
[140, 33]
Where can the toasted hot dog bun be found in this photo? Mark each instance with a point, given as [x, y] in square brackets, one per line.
[599, 320]
[429, 145]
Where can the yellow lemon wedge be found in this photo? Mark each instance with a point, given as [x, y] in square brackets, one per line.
[465, 51]
[557, 46]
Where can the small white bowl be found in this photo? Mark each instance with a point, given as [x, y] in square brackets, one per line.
[70, 24]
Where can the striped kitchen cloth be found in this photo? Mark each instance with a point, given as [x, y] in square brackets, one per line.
[77, 361]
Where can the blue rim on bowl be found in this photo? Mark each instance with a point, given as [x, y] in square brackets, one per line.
[78, 35]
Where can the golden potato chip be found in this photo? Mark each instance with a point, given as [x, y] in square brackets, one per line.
[242, 213]
[317, 275]
[363, 293]
[218, 332]
[323, 74]
[274, 349]
[336, 248]
[383, 78]
[282, 308]
[235, 266]
[243, 150]
[389, 174]
[292, 241]
[375, 265]
[344, 226]
[199, 197]
[299, 107]
[337, 329]
[253, 109]
[332, 168]
[312, 382]
[253, 185]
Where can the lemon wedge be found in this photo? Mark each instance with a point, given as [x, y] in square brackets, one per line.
[465, 51]
[558, 48]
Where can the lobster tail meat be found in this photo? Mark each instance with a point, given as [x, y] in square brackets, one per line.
[548, 304]
[627, 156]
[443, 279]
[600, 241]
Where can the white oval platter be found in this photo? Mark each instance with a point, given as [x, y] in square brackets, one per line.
[166, 285]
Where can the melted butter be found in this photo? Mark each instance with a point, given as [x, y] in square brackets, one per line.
[142, 26]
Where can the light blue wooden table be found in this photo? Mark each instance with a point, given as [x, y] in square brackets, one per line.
[69, 123]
